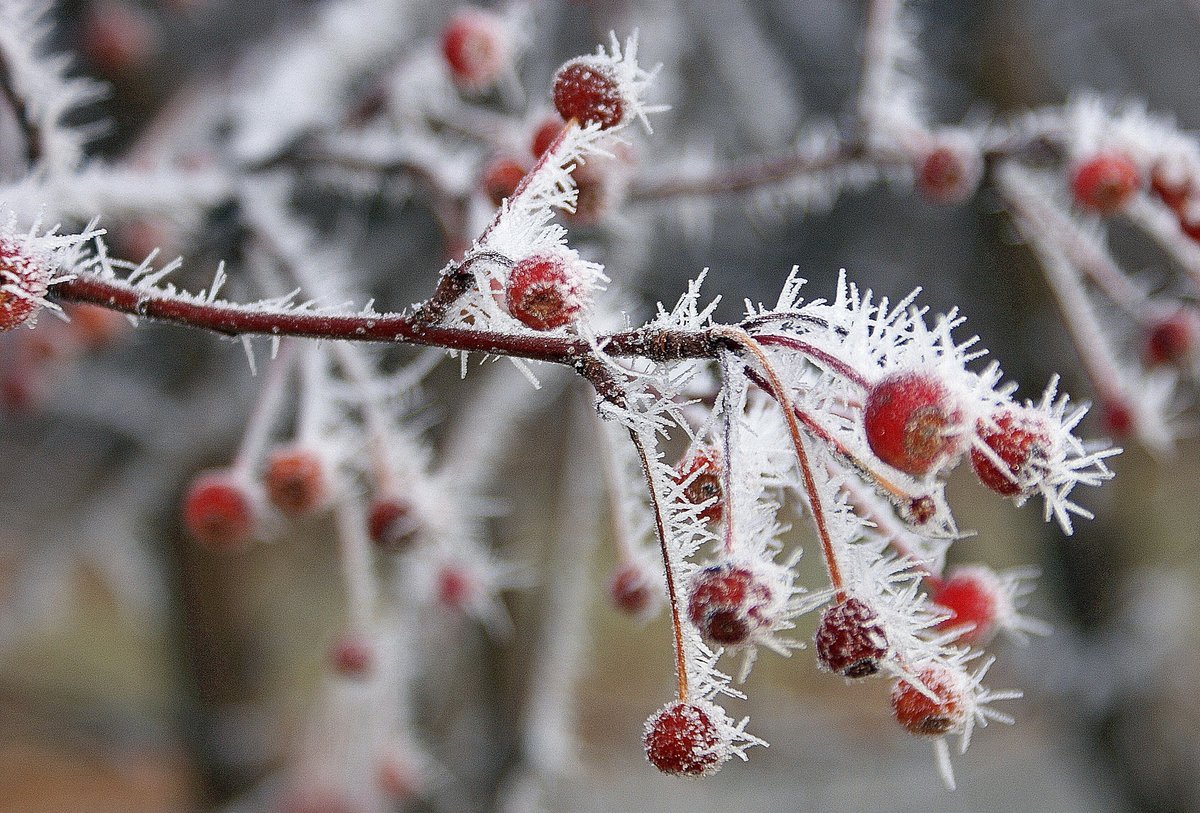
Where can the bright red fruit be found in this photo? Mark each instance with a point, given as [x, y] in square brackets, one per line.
[218, 510]
[475, 45]
[728, 603]
[1105, 183]
[541, 292]
[705, 487]
[1021, 442]
[911, 422]
[850, 640]
[588, 91]
[683, 739]
[295, 480]
[923, 715]
[975, 598]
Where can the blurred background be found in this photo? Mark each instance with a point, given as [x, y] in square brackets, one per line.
[141, 673]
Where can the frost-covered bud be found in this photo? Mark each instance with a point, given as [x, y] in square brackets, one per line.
[1013, 457]
[392, 523]
[850, 639]
[945, 712]
[634, 589]
[24, 278]
[220, 510]
[1105, 183]
[477, 47]
[949, 172]
[728, 603]
[686, 739]
[703, 467]
[500, 178]
[545, 290]
[912, 422]
[977, 601]
[295, 480]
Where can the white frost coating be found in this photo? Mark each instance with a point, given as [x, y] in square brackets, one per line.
[298, 84]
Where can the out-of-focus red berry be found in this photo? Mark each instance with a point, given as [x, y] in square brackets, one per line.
[218, 510]
[1105, 183]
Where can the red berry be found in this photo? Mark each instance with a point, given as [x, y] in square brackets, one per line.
[295, 480]
[632, 589]
[456, 587]
[729, 603]
[948, 174]
[23, 282]
[218, 510]
[1171, 185]
[925, 716]
[1105, 183]
[683, 739]
[391, 523]
[1170, 340]
[1021, 442]
[588, 91]
[1116, 417]
[475, 46]
[544, 135]
[911, 422]
[975, 598]
[850, 640]
[705, 487]
[500, 179]
[541, 292]
[352, 656]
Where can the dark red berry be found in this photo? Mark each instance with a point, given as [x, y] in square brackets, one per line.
[541, 292]
[631, 589]
[948, 174]
[588, 91]
[683, 739]
[295, 480]
[500, 179]
[1170, 340]
[23, 281]
[544, 135]
[704, 467]
[475, 46]
[352, 656]
[975, 598]
[925, 716]
[218, 510]
[911, 422]
[1105, 183]
[391, 523]
[1022, 443]
[729, 603]
[1117, 417]
[850, 639]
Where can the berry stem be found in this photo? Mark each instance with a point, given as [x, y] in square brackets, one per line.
[660, 527]
[779, 392]
[266, 410]
[816, 354]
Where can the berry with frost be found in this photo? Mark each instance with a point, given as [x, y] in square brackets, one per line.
[949, 173]
[1172, 188]
[912, 422]
[391, 523]
[633, 590]
[295, 480]
[219, 510]
[850, 639]
[588, 90]
[500, 179]
[476, 46]
[728, 603]
[1014, 454]
[24, 278]
[976, 600]
[1105, 183]
[685, 739]
[703, 467]
[942, 708]
[544, 291]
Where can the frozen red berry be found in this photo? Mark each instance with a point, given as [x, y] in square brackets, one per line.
[589, 91]
[352, 655]
[728, 603]
[542, 292]
[943, 713]
[633, 590]
[911, 422]
[392, 523]
[1105, 183]
[500, 179]
[948, 173]
[975, 598]
[850, 639]
[23, 281]
[476, 46]
[219, 510]
[295, 480]
[1022, 442]
[1170, 339]
[544, 135]
[704, 468]
[685, 739]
